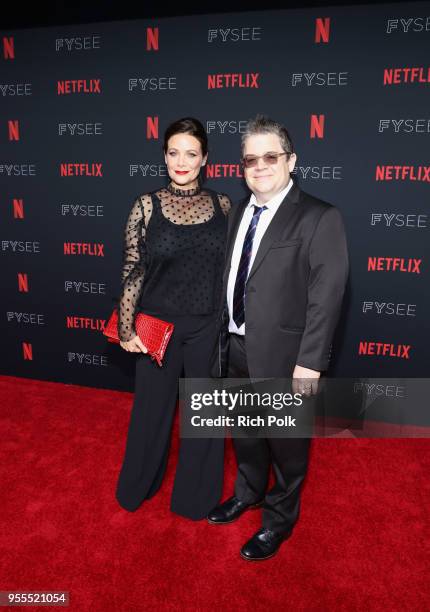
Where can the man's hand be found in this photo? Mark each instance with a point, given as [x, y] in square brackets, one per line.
[135, 345]
[305, 381]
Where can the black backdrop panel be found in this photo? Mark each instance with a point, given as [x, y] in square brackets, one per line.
[352, 86]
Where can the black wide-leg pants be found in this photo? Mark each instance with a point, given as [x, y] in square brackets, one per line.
[288, 456]
[199, 473]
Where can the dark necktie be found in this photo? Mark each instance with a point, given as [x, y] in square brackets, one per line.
[242, 271]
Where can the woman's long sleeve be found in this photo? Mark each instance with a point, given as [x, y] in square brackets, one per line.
[133, 270]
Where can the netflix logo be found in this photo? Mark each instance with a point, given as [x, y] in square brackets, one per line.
[384, 349]
[403, 173]
[94, 249]
[152, 128]
[8, 47]
[73, 322]
[322, 29]
[85, 86]
[223, 171]
[81, 169]
[394, 264]
[317, 126]
[152, 39]
[399, 76]
[240, 80]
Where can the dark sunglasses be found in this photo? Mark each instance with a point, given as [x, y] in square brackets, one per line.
[250, 161]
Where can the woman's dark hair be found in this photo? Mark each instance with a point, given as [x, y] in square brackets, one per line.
[187, 125]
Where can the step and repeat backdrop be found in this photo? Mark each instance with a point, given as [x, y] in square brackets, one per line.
[83, 111]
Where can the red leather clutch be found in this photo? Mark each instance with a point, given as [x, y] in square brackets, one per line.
[154, 333]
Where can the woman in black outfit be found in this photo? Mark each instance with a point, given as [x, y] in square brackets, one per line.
[173, 266]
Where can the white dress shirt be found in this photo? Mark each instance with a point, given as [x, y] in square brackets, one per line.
[263, 223]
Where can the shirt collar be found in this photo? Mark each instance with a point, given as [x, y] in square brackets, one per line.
[275, 201]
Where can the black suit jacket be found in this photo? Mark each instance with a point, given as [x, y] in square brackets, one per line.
[294, 290]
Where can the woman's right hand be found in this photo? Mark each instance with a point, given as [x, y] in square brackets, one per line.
[135, 345]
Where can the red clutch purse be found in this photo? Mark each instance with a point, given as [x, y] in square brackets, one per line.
[154, 333]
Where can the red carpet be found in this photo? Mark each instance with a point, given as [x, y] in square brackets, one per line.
[361, 543]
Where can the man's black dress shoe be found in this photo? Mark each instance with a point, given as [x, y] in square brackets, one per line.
[263, 545]
[229, 511]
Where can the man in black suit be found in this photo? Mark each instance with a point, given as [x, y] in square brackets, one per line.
[287, 266]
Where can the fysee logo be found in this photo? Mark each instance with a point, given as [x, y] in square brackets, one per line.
[147, 169]
[226, 127]
[326, 173]
[320, 79]
[235, 35]
[417, 126]
[410, 24]
[390, 308]
[78, 43]
[391, 220]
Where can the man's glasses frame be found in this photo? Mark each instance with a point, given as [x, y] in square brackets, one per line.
[271, 158]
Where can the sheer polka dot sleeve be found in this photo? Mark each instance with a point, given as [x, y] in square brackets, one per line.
[133, 270]
[225, 203]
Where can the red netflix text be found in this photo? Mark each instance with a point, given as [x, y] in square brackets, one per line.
[384, 349]
[95, 249]
[394, 264]
[92, 86]
[221, 81]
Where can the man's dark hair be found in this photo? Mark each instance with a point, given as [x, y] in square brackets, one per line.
[261, 124]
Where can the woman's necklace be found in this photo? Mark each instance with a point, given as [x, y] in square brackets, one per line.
[183, 192]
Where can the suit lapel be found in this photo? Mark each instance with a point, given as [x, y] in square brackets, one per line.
[276, 226]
